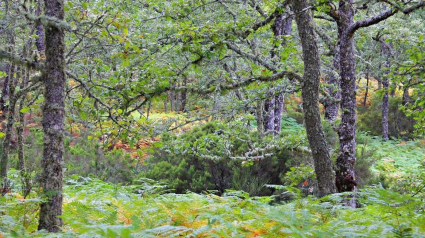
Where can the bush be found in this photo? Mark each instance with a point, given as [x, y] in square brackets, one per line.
[204, 159]
[81, 156]
[399, 125]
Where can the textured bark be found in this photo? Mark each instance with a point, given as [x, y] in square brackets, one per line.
[273, 106]
[5, 92]
[346, 161]
[53, 125]
[386, 53]
[310, 93]
[19, 132]
[268, 117]
[4, 156]
[184, 96]
[278, 110]
[166, 104]
[406, 97]
[331, 104]
[367, 87]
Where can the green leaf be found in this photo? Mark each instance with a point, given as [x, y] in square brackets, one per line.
[84, 5]
[25, 110]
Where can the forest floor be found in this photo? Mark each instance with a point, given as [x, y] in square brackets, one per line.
[93, 208]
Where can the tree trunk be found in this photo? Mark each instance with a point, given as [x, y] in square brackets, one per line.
[5, 92]
[367, 87]
[53, 125]
[166, 104]
[386, 53]
[310, 94]
[184, 96]
[4, 157]
[273, 106]
[346, 161]
[278, 100]
[268, 115]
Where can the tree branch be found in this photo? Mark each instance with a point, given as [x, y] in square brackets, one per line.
[21, 61]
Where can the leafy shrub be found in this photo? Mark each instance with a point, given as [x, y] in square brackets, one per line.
[399, 125]
[214, 156]
[81, 156]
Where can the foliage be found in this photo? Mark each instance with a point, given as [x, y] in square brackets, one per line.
[399, 125]
[218, 157]
[93, 208]
[83, 156]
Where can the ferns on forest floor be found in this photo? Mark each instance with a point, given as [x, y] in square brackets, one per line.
[93, 208]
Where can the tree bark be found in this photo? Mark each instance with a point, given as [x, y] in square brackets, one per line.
[310, 93]
[273, 106]
[346, 161]
[4, 157]
[184, 96]
[53, 125]
[268, 113]
[386, 53]
[367, 87]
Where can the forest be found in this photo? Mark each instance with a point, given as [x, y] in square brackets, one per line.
[212, 118]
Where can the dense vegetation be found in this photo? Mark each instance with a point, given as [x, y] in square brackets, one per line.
[212, 118]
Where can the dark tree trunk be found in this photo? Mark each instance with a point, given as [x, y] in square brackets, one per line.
[278, 100]
[406, 97]
[166, 104]
[268, 117]
[385, 109]
[346, 161]
[331, 104]
[386, 53]
[273, 106]
[4, 157]
[367, 87]
[53, 125]
[184, 96]
[5, 92]
[19, 132]
[310, 94]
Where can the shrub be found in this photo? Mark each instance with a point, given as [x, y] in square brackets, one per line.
[399, 125]
[210, 157]
[81, 156]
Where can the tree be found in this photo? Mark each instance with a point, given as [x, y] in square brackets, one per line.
[344, 17]
[53, 119]
[310, 94]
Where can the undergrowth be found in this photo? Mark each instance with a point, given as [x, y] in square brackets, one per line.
[93, 208]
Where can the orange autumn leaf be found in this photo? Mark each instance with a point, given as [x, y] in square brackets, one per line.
[305, 183]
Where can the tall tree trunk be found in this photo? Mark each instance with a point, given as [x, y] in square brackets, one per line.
[278, 110]
[367, 87]
[346, 161]
[4, 157]
[268, 114]
[166, 104]
[184, 96]
[273, 106]
[53, 125]
[310, 94]
[386, 53]
[5, 92]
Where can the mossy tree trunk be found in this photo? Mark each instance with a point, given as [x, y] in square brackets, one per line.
[310, 94]
[53, 121]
